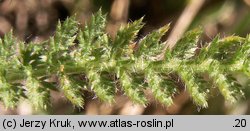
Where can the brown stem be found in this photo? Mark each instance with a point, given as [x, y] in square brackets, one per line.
[118, 16]
[184, 21]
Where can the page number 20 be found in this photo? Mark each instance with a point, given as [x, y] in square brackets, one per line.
[240, 123]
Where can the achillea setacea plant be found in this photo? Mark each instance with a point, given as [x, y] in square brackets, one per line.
[110, 65]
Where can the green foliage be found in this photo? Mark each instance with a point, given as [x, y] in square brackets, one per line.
[112, 65]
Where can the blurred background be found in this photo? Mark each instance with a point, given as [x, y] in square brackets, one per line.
[35, 20]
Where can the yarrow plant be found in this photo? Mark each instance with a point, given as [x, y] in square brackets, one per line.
[111, 65]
